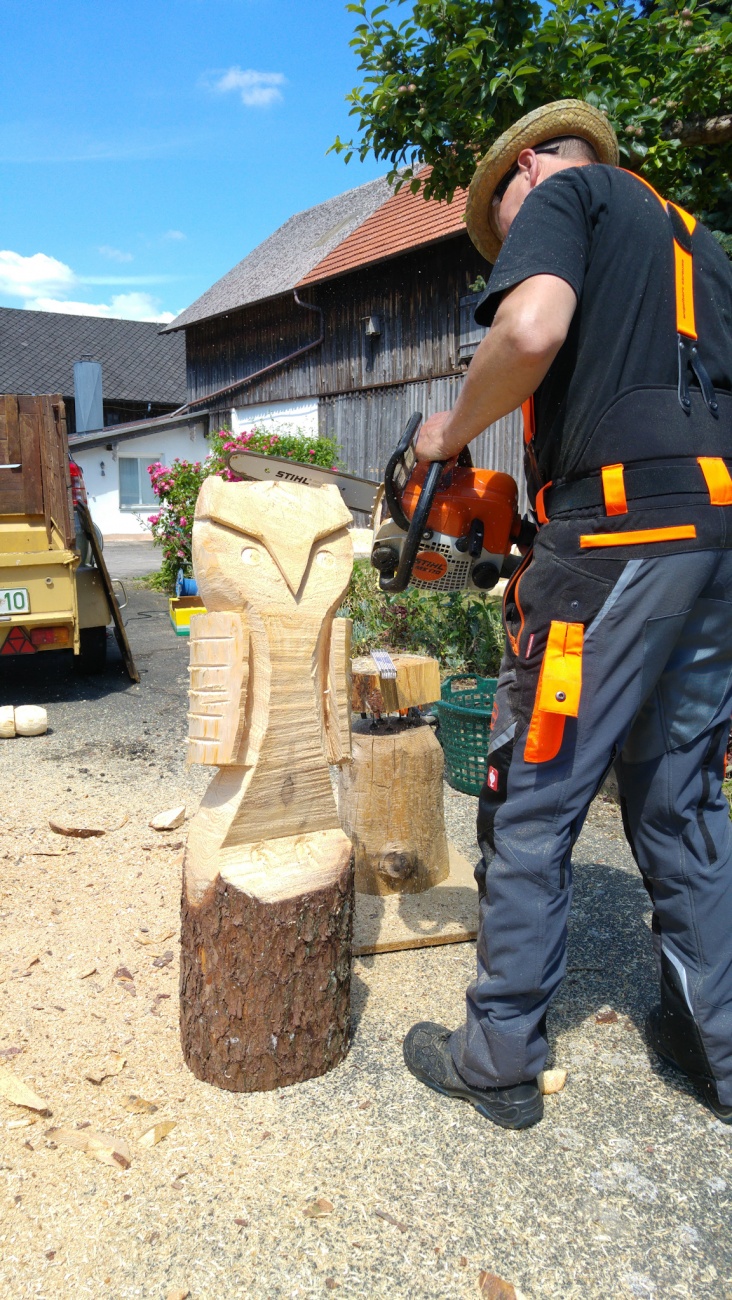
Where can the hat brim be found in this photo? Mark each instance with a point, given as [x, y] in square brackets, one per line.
[563, 117]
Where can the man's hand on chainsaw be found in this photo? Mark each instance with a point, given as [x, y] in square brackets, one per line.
[437, 439]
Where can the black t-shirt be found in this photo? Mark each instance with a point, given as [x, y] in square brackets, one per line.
[605, 233]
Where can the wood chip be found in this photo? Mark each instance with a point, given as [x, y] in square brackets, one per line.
[389, 1218]
[148, 940]
[104, 1147]
[15, 1091]
[156, 1133]
[79, 832]
[169, 820]
[178, 1294]
[492, 1287]
[86, 971]
[114, 1064]
[138, 1106]
[551, 1081]
[606, 1016]
[319, 1208]
[22, 1123]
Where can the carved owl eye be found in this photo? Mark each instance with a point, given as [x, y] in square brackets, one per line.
[251, 555]
[326, 559]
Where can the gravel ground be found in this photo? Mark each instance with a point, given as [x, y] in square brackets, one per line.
[622, 1191]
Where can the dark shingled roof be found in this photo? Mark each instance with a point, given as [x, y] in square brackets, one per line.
[38, 350]
[278, 264]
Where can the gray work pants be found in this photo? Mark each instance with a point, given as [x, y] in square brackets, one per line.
[656, 700]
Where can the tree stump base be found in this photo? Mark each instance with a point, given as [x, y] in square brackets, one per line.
[266, 971]
[390, 804]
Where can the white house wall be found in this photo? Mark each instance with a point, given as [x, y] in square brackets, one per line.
[103, 487]
[278, 417]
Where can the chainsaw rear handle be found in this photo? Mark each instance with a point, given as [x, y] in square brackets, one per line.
[399, 581]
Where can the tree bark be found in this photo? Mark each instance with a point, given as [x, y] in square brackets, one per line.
[390, 804]
[265, 984]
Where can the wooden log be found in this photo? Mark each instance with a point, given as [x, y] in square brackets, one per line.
[390, 802]
[417, 682]
[267, 901]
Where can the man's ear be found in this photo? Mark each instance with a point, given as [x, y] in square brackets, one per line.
[528, 162]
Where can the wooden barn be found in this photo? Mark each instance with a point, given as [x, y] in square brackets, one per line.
[347, 319]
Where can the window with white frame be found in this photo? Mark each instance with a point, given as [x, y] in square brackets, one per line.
[135, 488]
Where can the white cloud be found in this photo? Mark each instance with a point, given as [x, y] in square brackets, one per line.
[114, 254]
[257, 89]
[122, 306]
[174, 234]
[20, 277]
[42, 281]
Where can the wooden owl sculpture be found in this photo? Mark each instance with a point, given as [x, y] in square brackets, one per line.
[267, 877]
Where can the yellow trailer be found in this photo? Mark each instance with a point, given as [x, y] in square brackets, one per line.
[55, 591]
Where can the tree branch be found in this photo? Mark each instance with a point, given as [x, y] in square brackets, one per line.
[701, 130]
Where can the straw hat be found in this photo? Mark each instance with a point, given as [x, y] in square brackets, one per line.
[563, 117]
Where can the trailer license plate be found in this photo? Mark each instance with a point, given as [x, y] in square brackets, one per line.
[14, 600]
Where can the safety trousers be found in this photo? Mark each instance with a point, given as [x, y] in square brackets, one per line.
[655, 699]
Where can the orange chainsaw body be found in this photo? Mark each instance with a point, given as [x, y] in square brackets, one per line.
[485, 494]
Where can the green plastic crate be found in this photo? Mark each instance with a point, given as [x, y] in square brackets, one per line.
[465, 712]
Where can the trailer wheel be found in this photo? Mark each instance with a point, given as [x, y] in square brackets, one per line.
[92, 654]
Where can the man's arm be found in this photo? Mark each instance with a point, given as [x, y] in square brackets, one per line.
[528, 330]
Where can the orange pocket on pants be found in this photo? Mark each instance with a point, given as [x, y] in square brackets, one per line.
[558, 691]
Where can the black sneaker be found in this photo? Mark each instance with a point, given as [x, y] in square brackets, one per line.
[427, 1055]
[705, 1086]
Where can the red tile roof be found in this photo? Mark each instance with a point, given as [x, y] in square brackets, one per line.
[405, 221]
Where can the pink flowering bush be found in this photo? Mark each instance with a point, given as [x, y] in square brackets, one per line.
[177, 486]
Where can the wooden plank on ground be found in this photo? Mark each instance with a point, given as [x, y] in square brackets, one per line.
[448, 913]
[120, 633]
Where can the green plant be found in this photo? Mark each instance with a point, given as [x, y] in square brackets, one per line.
[441, 84]
[463, 631]
[177, 486]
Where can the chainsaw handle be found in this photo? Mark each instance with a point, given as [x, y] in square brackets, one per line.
[399, 581]
[405, 442]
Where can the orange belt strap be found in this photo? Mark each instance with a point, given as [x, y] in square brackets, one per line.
[558, 691]
[718, 480]
[678, 533]
[613, 490]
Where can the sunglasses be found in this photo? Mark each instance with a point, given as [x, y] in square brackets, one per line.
[504, 183]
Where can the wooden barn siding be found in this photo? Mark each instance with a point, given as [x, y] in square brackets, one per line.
[416, 298]
[367, 426]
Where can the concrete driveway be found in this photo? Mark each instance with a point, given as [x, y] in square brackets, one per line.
[131, 557]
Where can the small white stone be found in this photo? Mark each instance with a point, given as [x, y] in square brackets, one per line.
[31, 720]
[7, 721]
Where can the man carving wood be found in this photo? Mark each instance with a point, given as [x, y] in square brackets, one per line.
[267, 887]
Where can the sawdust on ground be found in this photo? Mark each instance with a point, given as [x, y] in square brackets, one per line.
[622, 1191]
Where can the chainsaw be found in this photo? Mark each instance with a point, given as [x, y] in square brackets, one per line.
[451, 527]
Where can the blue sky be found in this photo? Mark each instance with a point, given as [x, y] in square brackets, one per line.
[146, 147]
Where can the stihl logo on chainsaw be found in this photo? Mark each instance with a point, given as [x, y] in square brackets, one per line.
[429, 566]
[492, 778]
[292, 478]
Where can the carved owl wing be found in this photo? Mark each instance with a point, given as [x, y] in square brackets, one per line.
[336, 714]
[219, 670]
